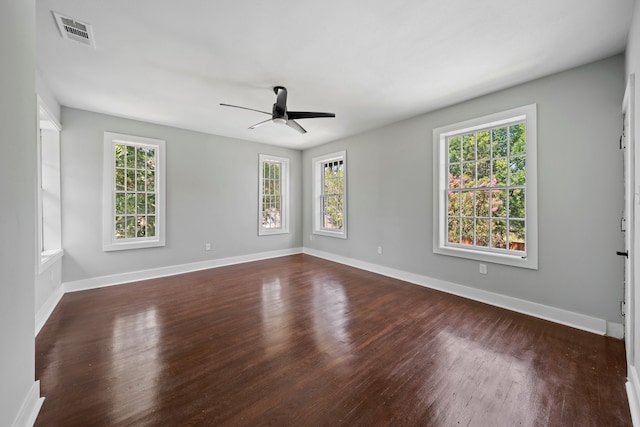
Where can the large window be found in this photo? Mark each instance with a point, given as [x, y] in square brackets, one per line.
[330, 195]
[274, 195]
[49, 219]
[485, 188]
[133, 192]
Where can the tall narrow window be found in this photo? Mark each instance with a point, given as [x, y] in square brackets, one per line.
[274, 195]
[49, 218]
[330, 195]
[486, 188]
[133, 192]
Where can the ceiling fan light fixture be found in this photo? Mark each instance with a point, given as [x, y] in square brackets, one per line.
[280, 121]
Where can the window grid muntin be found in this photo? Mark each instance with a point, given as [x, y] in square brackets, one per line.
[135, 202]
[271, 194]
[332, 194]
[507, 188]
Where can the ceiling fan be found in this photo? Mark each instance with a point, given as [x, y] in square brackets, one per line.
[279, 113]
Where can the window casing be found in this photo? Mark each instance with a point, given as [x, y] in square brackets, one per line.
[330, 195]
[485, 191]
[134, 192]
[49, 216]
[273, 201]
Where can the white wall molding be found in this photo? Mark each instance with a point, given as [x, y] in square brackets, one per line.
[553, 314]
[134, 276]
[633, 387]
[30, 407]
[47, 308]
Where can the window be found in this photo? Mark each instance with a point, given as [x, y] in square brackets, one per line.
[49, 219]
[330, 195]
[133, 192]
[485, 188]
[274, 195]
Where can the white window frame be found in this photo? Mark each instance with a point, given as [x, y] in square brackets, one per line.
[49, 225]
[110, 243]
[440, 182]
[317, 181]
[284, 195]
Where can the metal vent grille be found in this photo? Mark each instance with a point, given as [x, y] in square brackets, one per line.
[72, 29]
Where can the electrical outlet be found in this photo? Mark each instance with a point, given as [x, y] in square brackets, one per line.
[483, 268]
[310, 236]
[380, 250]
[207, 246]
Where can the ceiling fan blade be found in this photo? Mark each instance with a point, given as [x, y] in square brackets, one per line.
[280, 107]
[260, 124]
[294, 125]
[307, 115]
[244, 108]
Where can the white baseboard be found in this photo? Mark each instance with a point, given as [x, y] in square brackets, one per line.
[30, 407]
[118, 279]
[632, 387]
[553, 314]
[47, 308]
[615, 330]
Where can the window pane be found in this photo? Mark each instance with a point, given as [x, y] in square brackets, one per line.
[454, 149]
[130, 207]
[151, 226]
[131, 180]
[516, 203]
[482, 203]
[151, 180]
[151, 203]
[454, 203]
[517, 134]
[498, 203]
[517, 235]
[499, 234]
[131, 157]
[482, 232]
[151, 159]
[140, 181]
[500, 172]
[499, 137]
[484, 145]
[454, 176]
[469, 175]
[469, 147]
[120, 227]
[484, 174]
[119, 150]
[141, 203]
[142, 226]
[517, 171]
[453, 227]
[120, 179]
[467, 231]
[130, 227]
[140, 158]
[467, 203]
[120, 204]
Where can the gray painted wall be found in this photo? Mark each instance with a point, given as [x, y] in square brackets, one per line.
[17, 216]
[212, 196]
[633, 67]
[580, 193]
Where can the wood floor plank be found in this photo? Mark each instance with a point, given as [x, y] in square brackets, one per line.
[303, 341]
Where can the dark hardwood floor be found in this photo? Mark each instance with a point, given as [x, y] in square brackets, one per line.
[301, 341]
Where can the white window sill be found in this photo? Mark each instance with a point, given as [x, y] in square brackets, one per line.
[48, 258]
[337, 234]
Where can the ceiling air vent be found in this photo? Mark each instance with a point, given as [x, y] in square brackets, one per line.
[72, 29]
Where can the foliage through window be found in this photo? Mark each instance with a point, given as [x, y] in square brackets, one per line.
[330, 195]
[486, 200]
[274, 195]
[133, 172]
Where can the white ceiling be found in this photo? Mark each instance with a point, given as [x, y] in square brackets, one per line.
[370, 62]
